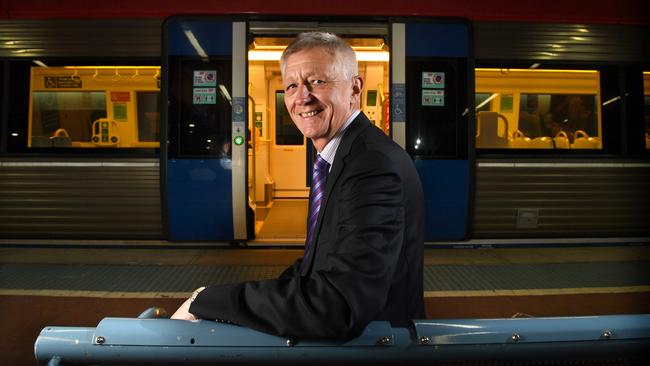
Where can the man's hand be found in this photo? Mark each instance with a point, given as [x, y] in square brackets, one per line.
[183, 312]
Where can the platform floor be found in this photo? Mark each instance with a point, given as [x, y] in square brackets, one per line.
[173, 272]
[79, 286]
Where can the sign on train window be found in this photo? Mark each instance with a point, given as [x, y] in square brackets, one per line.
[538, 109]
[94, 107]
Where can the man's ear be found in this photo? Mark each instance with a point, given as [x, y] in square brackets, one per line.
[357, 85]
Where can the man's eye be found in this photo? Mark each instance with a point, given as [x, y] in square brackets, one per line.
[317, 82]
[291, 86]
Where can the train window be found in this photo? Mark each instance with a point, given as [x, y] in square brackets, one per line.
[94, 107]
[646, 102]
[482, 101]
[65, 118]
[148, 104]
[202, 95]
[538, 109]
[286, 132]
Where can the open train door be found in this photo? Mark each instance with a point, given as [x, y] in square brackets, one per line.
[203, 163]
[431, 114]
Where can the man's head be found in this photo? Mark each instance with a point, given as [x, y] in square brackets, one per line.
[322, 88]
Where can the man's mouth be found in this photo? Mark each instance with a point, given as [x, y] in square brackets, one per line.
[310, 114]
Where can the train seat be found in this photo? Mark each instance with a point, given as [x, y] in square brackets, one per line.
[543, 142]
[488, 130]
[520, 140]
[60, 138]
[581, 140]
[561, 140]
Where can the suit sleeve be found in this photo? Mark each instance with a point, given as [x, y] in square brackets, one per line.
[338, 299]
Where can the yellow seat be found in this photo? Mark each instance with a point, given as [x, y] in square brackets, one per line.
[561, 140]
[581, 140]
[544, 142]
[520, 140]
[487, 132]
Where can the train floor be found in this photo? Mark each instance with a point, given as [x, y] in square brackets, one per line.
[78, 286]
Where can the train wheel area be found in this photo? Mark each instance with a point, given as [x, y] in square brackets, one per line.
[80, 286]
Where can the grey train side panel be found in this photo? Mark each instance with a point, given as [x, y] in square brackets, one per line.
[81, 38]
[80, 197]
[560, 198]
[534, 42]
[66, 198]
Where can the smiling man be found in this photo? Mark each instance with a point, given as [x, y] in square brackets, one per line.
[364, 249]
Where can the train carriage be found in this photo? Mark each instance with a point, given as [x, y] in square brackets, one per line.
[172, 127]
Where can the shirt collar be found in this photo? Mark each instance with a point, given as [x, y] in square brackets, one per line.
[329, 151]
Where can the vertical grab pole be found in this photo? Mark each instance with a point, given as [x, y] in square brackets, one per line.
[398, 87]
[239, 145]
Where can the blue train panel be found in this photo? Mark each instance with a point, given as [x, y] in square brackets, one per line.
[197, 161]
[446, 197]
[200, 199]
[438, 99]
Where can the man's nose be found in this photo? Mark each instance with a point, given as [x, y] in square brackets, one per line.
[303, 94]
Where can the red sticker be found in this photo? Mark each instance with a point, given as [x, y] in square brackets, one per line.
[120, 96]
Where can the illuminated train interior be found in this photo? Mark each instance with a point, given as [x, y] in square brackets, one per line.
[277, 154]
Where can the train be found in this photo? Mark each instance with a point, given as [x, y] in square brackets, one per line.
[527, 122]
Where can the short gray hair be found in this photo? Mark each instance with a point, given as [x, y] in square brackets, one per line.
[331, 43]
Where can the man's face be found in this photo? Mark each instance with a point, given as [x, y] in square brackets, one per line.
[317, 95]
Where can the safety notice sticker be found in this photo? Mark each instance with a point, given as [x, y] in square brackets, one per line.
[435, 80]
[204, 96]
[433, 98]
[205, 78]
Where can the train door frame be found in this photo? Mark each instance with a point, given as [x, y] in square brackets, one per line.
[204, 196]
[457, 168]
[449, 197]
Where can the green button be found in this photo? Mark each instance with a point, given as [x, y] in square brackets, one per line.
[239, 140]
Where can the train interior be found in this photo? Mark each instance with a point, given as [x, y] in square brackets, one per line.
[278, 153]
[94, 106]
[538, 109]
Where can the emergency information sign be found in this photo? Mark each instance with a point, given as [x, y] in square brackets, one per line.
[204, 96]
[433, 98]
[203, 78]
[435, 80]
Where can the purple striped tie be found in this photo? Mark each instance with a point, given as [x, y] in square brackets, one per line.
[318, 183]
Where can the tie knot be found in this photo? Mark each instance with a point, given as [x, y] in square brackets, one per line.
[320, 164]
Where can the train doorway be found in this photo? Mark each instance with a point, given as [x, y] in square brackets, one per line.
[279, 157]
[235, 169]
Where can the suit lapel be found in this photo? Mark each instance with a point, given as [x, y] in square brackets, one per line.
[355, 128]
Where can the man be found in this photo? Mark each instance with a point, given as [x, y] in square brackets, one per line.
[364, 250]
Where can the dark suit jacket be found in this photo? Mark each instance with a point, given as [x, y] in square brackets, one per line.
[368, 259]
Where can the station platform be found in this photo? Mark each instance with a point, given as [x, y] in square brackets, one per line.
[174, 273]
[78, 286]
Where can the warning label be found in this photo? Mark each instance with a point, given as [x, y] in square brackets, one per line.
[435, 80]
[433, 98]
[204, 96]
[205, 78]
[62, 82]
